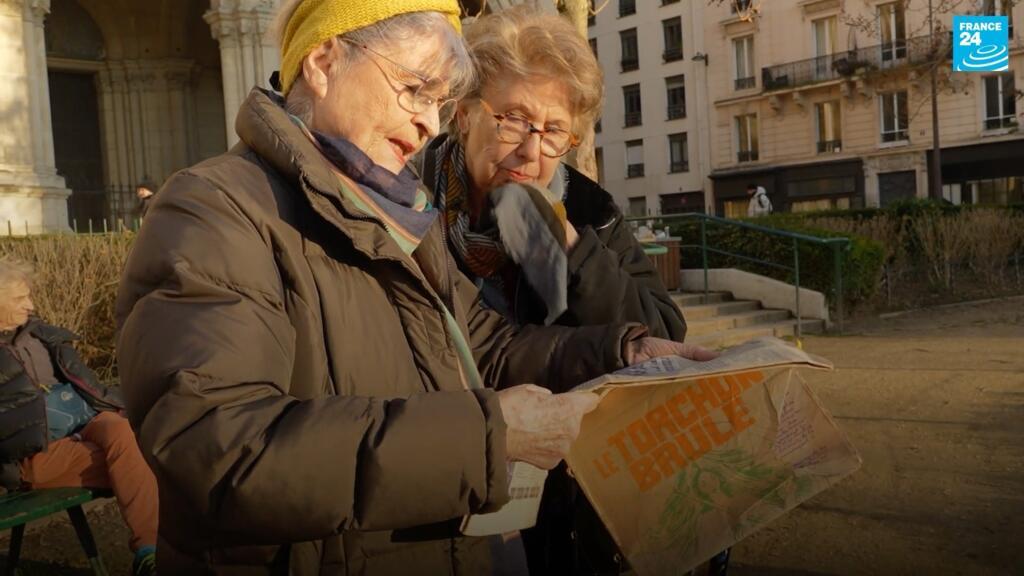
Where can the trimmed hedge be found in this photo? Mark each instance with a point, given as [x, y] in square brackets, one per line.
[861, 263]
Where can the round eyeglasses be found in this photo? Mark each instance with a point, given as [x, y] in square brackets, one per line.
[419, 98]
[514, 129]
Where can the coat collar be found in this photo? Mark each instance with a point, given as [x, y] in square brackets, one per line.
[264, 127]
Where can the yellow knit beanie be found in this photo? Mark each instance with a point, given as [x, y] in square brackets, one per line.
[315, 21]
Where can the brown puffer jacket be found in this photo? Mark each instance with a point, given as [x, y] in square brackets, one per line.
[292, 382]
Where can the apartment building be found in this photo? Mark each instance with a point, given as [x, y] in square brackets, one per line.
[651, 141]
[827, 104]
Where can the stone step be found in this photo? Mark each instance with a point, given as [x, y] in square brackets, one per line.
[698, 327]
[702, 311]
[733, 336]
[684, 299]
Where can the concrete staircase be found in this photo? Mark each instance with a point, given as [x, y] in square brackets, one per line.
[717, 320]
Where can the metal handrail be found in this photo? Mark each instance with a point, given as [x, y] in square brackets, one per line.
[839, 246]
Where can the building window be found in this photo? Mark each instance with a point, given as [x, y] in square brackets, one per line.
[1000, 8]
[739, 5]
[746, 138]
[631, 101]
[593, 46]
[638, 206]
[675, 90]
[635, 159]
[1008, 190]
[894, 116]
[630, 54]
[673, 32]
[892, 24]
[1000, 102]
[591, 14]
[627, 7]
[744, 62]
[597, 126]
[830, 128]
[824, 46]
[678, 153]
[667, 2]
[682, 202]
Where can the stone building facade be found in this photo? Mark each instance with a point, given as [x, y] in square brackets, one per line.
[100, 95]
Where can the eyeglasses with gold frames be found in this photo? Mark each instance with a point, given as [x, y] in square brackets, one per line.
[515, 129]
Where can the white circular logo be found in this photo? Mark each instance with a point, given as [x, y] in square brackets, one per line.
[990, 57]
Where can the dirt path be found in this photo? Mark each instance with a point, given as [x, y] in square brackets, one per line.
[934, 401]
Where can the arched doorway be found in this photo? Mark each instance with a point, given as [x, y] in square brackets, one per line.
[136, 94]
[75, 51]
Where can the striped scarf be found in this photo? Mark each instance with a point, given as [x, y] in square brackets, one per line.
[480, 250]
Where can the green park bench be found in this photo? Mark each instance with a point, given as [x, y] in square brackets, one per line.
[23, 506]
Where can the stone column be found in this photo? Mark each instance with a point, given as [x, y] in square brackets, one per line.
[33, 198]
[248, 55]
[147, 119]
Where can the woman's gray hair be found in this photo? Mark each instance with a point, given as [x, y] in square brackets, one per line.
[453, 61]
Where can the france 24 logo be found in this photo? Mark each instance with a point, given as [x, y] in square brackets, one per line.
[981, 43]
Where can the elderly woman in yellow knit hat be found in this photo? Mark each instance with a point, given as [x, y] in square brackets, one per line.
[311, 379]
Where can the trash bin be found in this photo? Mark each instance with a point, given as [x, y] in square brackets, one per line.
[665, 256]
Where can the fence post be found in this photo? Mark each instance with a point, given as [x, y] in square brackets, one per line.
[104, 226]
[74, 225]
[704, 254]
[837, 269]
[796, 274]
[10, 229]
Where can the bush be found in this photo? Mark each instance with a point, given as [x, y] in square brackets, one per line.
[75, 285]
[861, 264]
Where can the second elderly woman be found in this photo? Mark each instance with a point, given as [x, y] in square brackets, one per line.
[310, 379]
[538, 87]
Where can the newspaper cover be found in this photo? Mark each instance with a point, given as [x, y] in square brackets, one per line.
[683, 459]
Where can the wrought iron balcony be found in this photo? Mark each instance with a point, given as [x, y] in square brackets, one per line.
[633, 119]
[827, 146]
[745, 83]
[635, 171]
[672, 54]
[999, 122]
[895, 136]
[746, 156]
[676, 112]
[627, 7]
[679, 167]
[910, 52]
[631, 64]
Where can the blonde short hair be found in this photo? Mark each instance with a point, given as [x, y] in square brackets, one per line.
[523, 42]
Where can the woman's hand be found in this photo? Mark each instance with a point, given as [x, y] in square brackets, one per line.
[644, 349]
[542, 425]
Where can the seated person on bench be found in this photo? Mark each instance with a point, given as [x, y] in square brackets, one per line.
[58, 426]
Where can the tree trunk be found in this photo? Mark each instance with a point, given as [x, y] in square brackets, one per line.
[582, 157]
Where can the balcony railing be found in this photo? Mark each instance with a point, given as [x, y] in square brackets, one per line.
[1000, 122]
[747, 156]
[634, 119]
[745, 83]
[672, 54]
[631, 64]
[895, 136]
[635, 171]
[827, 146]
[910, 52]
[627, 7]
[679, 167]
[676, 112]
